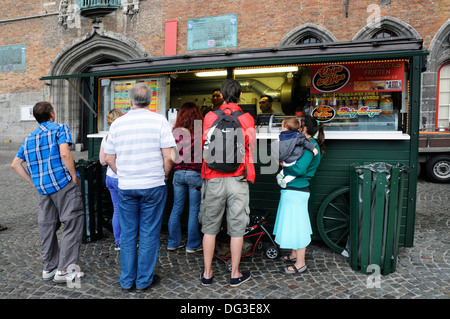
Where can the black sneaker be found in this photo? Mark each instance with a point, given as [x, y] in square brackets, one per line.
[206, 282]
[235, 282]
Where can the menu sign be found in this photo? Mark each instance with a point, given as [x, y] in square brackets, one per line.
[358, 77]
[122, 99]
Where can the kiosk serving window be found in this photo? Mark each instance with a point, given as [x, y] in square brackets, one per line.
[114, 95]
[360, 96]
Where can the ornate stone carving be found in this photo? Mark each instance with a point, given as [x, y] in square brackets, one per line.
[69, 15]
[130, 7]
[63, 8]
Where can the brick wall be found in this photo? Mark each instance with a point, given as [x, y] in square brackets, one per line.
[260, 24]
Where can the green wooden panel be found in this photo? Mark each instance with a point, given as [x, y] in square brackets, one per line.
[374, 222]
[94, 148]
[364, 233]
[377, 242]
[354, 219]
[332, 174]
[391, 222]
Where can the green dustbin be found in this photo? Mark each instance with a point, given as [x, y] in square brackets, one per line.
[91, 189]
[376, 197]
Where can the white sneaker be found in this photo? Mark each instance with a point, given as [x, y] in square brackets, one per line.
[48, 275]
[61, 278]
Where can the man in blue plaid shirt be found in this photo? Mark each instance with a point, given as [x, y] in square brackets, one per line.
[50, 168]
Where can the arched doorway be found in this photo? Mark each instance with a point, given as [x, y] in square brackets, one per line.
[95, 48]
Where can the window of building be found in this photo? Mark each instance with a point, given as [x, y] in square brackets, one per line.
[308, 33]
[443, 101]
[309, 39]
[384, 34]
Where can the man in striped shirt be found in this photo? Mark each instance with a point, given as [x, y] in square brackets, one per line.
[139, 149]
[50, 168]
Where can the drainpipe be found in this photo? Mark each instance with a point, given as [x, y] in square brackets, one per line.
[30, 17]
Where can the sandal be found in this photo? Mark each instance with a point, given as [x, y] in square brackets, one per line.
[287, 271]
[288, 258]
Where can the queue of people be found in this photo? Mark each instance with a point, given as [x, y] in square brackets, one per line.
[141, 150]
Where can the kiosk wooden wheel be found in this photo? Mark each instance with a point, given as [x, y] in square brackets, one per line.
[333, 220]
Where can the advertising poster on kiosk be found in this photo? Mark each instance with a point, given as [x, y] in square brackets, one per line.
[357, 91]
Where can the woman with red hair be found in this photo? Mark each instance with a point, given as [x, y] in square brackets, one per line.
[187, 180]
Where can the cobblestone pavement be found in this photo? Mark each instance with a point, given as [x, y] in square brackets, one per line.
[423, 271]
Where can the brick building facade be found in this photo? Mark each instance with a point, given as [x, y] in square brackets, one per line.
[45, 37]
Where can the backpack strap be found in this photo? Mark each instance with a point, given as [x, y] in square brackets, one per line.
[219, 112]
[237, 114]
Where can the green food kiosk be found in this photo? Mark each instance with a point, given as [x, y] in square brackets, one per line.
[367, 94]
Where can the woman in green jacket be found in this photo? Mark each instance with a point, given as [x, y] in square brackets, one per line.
[292, 226]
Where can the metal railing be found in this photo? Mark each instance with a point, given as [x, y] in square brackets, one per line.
[91, 4]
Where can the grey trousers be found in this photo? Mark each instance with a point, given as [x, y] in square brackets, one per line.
[66, 207]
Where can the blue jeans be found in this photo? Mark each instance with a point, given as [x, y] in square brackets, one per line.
[184, 183]
[113, 187]
[141, 213]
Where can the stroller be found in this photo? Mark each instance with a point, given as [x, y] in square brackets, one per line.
[254, 235]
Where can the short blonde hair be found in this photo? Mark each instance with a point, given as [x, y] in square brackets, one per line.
[112, 115]
[291, 123]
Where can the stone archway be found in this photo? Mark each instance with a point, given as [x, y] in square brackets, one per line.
[93, 48]
[401, 28]
[439, 55]
[304, 30]
[440, 47]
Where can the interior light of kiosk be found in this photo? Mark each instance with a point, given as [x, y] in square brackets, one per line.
[266, 70]
[211, 73]
[248, 71]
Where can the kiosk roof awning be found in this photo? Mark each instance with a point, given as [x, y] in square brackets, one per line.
[319, 52]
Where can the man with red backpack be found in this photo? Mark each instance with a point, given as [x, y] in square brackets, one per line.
[226, 170]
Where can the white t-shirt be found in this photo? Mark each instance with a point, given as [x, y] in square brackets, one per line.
[109, 171]
[137, 139]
